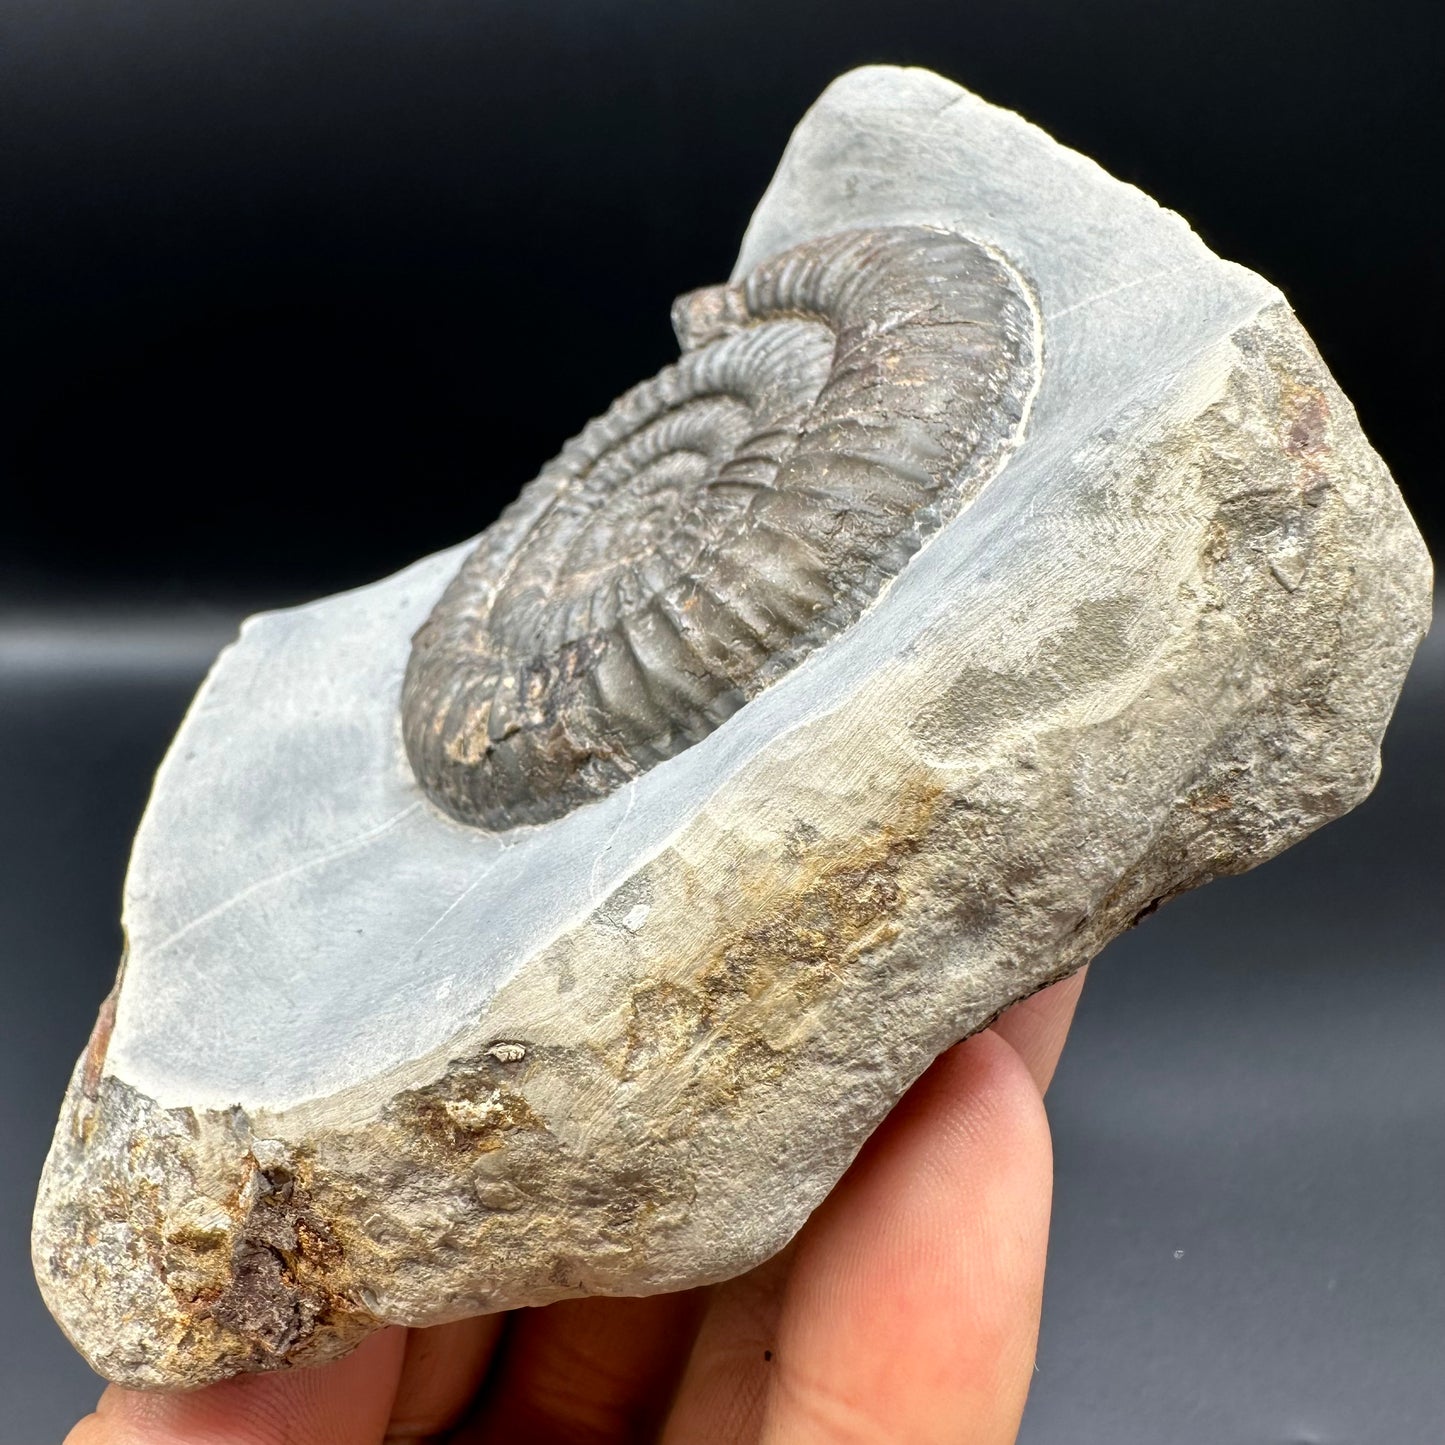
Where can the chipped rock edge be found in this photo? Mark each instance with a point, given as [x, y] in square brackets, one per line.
[665, 1093]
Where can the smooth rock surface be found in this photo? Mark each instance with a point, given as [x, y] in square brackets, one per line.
[370, 1065]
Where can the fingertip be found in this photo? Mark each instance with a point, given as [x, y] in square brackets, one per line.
[89, 1431]
[1037, 1027]
[915, 1295]
[443, 1371]
[346, 1402]
[974, 1124]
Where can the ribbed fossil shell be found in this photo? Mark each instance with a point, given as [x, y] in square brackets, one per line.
[721, 520]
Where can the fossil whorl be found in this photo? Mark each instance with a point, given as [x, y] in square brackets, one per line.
[721, 520]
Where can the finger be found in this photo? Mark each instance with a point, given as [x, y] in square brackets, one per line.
[441, 1376]
[911, 1313]
[724, 1387]
[1037, 1026]
[587, 1370]
[344, 1403]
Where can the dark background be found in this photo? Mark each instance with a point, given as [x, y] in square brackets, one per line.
[294, 293]
[291, 294]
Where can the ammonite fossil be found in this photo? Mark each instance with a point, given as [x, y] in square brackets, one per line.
[370, 1065]
[720, 520]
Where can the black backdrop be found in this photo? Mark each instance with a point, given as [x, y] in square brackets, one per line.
[293, 293]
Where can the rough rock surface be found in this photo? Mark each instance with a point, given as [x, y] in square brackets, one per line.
[369, 1065]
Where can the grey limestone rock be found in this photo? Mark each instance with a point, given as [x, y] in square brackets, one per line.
[590, 968]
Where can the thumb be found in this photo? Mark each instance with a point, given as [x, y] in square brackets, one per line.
[347, 1402]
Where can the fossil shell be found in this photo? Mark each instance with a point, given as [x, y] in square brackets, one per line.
[1162, 646]
[720, 520]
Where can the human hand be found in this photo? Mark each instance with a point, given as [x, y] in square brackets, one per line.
[906, 1310]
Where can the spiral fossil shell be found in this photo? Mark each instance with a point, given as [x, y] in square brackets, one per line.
[721, 520]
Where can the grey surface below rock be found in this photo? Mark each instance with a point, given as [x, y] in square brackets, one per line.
[369, 1064]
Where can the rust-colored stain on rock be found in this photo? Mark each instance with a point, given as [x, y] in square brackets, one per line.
[796, 922]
